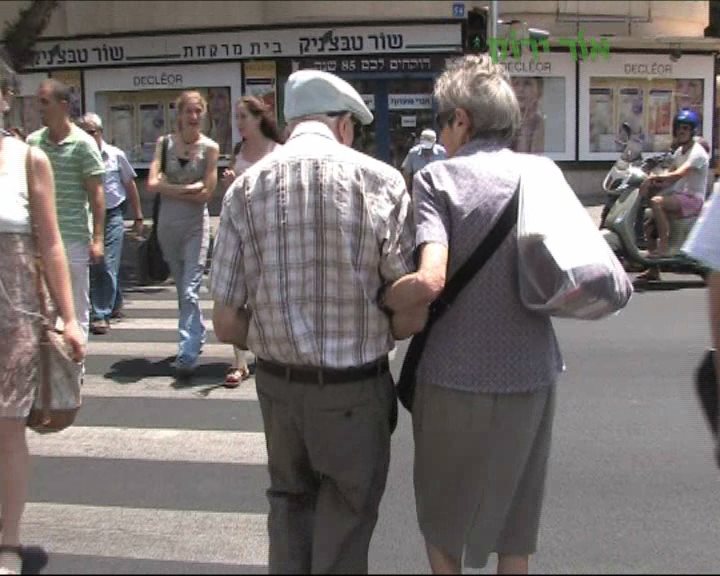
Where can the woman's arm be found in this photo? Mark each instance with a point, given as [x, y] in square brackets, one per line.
[41, 190]
[157, 183]
[209, 181]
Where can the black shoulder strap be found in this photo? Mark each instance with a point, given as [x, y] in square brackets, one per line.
[163, 153]
[477, 259]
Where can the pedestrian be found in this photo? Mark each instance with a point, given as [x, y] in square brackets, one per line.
[27, 187]
[703, 244]
[186, 184]
[119, 185]
[483, 408]
[78, 170]
[308, 237]
[425, 151]
[260, 136]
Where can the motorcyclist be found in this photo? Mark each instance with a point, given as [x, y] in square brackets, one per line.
[689, 182]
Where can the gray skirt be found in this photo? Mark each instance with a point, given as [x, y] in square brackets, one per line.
[480, 468]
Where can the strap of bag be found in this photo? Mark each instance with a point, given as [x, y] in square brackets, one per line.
[45, 388]
[477, 259]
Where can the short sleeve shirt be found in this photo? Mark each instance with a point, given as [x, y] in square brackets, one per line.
[488, 342]
[703, 243]
[117, 171]
[416, 160]
[695, 182]
[307, 237]
[73, 160]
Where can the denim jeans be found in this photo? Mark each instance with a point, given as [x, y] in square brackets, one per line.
[105, 293]
[185, 251]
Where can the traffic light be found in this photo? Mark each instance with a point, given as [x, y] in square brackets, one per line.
[476, 31]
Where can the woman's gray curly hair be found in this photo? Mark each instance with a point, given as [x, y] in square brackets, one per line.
[482, 88]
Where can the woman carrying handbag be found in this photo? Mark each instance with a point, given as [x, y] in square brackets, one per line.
[27, 197]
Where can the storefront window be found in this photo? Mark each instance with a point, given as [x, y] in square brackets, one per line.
[644, 91]
[410, 111]
[135, 120]
[647, 106]
[542, 107]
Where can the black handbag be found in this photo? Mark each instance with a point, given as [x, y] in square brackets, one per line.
[152, 266]
[407, 382]
[707, 390]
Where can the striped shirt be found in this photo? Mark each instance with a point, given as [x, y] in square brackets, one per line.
[73, 159]
[307, 237]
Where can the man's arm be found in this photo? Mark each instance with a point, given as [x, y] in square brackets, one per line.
[231, 324]
[96, 197]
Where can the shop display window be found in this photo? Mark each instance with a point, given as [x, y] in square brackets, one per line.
[134, 120]
[542, 108]
[646, 105]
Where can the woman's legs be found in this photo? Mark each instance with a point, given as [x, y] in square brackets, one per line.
[14, 472]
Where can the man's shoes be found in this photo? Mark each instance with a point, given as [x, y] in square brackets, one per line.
[99, 327]
[183, 371]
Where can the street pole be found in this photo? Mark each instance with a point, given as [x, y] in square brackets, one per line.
[492, 19]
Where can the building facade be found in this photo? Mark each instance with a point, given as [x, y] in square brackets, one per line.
[129, 60]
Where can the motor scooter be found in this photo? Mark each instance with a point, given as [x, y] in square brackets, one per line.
[623, 234]
[631, 156]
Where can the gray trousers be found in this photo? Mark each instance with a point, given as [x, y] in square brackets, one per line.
[328, 456]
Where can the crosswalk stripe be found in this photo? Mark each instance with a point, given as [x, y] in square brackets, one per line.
[153, 324]
[161, 305]
[148, 534]
[150, 350]
[160, 445]
[159, 387]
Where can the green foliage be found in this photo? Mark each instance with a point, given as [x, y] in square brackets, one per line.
[20, 35]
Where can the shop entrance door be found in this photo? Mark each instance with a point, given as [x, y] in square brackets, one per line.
[402, 108]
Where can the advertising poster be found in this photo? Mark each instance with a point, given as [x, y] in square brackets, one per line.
[71, 78]
[540, 98]
[660, 112]
[689, 94]
[602, 133]
[630, 110]
[152, 126]
[261, 81]
[121, 124]
[219, 116]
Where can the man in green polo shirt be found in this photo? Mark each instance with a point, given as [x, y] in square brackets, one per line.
[78, 169]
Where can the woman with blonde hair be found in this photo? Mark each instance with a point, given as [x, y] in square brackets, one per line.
[28, 197]
[184, 173]
[260, 136]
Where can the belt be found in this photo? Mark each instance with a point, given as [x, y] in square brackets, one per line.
[118, 207]
[312, 375]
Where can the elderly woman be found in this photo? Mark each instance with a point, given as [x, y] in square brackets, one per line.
[483, 409]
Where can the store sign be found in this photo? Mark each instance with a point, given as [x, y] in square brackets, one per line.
[408, 121]
[369, 100]
[376, 64]
[409, 101]
[247, 44]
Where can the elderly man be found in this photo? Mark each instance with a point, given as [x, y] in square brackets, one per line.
[420, 155]
[119, 184]
[308, 238]
[78, 170]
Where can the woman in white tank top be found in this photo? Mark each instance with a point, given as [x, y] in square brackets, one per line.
[26, 186]
[260, 136]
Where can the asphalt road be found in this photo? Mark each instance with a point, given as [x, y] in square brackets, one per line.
[161, 478]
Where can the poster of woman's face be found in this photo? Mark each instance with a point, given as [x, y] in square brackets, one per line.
[689, 94]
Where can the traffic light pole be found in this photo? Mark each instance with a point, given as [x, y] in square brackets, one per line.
[492, 19]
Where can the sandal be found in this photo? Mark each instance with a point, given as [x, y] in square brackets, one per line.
[235, 376]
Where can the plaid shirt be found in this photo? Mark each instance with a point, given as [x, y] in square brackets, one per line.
[307, 237]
